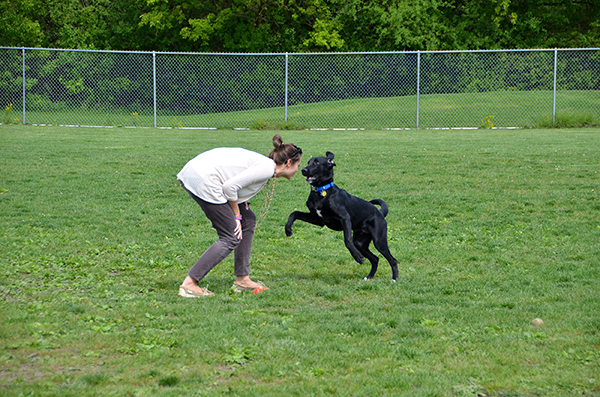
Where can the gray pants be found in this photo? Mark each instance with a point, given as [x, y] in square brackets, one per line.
[223, 220]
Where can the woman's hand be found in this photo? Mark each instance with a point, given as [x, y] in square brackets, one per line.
[238, 222]
[238, 229]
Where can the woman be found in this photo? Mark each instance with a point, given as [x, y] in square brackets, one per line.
[222, 181]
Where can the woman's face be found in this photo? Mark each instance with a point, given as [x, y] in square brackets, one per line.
[290, 168]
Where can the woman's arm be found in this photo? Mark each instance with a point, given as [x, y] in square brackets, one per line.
[260, 173]
[238, 218]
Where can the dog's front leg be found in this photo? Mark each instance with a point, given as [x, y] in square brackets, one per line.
[349, 241]
[302, 216]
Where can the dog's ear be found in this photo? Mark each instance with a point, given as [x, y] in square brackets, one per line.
[330, 157]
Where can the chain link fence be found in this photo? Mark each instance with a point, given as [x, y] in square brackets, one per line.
[395, 90]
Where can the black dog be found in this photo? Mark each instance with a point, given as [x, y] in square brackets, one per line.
[338, 210]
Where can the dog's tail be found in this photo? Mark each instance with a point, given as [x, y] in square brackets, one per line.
[384, 208]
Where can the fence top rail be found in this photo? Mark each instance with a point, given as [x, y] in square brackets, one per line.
[297, 53]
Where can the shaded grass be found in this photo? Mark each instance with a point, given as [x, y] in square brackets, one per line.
[508, 108]
[491, 229]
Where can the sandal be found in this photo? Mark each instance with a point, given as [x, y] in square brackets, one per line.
[188, 293]
[241, 288]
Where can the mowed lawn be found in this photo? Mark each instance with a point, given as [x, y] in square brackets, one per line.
[491, 228]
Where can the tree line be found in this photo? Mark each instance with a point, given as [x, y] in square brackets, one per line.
[299, 25]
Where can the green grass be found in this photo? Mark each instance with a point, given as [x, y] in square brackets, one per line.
[491, 228]
[508, 108]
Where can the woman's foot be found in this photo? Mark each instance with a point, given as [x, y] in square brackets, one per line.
[198, 293]
[189, 289]
[246, 283]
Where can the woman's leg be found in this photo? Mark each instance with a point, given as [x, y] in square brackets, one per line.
[222, 219]
[243, 250]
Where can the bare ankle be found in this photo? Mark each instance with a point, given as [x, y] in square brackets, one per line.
[189, 282]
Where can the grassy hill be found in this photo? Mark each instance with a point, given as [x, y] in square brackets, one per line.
[498, 109]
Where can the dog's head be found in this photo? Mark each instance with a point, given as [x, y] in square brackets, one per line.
[319, 171]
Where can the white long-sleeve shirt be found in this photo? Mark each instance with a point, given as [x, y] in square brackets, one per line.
[227, 174]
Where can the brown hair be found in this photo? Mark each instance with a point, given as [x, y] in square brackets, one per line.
[283, 152]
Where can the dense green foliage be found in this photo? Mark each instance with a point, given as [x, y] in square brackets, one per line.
[491, 230]
[299, 25]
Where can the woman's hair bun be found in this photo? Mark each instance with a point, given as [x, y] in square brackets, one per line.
[277, 141]
[283, 151]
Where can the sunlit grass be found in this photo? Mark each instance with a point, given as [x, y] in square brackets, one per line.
[491, 228]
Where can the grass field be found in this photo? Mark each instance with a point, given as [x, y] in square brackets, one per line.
[502, 108]
[492, 228]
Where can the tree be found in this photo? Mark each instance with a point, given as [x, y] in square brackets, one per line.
[244, 25]
[299, 25]
[548, 24]
[393, 25]
[17, 27]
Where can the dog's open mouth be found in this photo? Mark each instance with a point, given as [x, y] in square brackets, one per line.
[311, 179]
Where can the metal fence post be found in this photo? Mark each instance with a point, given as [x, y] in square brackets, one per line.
[24, 89]
[286, 86]
[554, 88]
[154, 84]
[418, 83]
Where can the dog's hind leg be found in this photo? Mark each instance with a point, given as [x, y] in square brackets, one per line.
[394, 264]
[374, 262]
[385, 251]
[362, 241]
[381, 244]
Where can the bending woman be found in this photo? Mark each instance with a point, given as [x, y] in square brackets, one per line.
[221, 181]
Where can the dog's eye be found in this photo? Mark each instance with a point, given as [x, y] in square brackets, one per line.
[317, 162]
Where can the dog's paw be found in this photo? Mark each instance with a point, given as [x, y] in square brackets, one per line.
[393, 280]
[289, 232]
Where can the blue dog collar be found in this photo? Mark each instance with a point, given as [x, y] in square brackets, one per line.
[322, 189]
